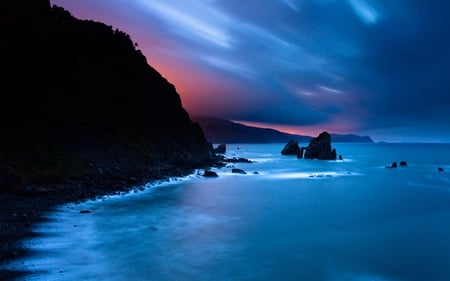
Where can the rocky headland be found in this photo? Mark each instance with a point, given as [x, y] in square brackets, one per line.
[83, 114]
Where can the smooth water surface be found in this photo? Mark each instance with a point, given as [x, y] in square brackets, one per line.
[293, 220]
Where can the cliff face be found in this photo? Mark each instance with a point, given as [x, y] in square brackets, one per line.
[79, 99]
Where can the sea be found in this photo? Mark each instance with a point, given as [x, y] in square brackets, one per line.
[285, 219]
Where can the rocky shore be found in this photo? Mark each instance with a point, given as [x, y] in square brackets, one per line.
[84, 115]
[19, 212]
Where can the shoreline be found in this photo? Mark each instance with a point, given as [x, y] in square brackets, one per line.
[21, 212]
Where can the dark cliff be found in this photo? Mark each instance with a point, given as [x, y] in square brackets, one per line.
[79, 101]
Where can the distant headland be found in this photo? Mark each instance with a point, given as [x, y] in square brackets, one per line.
[219, 130]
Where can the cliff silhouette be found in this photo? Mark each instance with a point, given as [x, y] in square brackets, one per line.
[80, 101]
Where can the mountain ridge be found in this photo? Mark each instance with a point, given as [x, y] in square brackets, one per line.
[218, 130]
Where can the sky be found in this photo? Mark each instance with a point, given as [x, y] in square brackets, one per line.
[371, 67]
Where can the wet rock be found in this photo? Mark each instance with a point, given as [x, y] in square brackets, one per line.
[320, 148]
[85, 212]
[440, 169]
[403, 163]
[291, 148]
[210, 174]
[340, 157]
[220, 149]
[238, 171]
[236, 160]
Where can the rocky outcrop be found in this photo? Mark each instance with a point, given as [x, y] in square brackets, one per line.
[320, 148]
[220, 149]
[291, 148]
[224, 159]
[210, 174]
[79, 101]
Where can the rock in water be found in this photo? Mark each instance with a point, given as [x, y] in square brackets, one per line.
[220, 149]
[238, 171]
[393, 166]
[210, 174]
[291, 148]
[320, 148]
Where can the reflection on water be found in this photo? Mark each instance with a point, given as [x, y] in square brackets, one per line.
[295, 220]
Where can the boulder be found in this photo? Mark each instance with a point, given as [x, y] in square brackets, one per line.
[238, 171]
[291, 148]
[320, 148]
[403, 163]
[210, 174]
[220, 149]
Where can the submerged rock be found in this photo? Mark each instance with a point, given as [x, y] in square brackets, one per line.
[320, 148]
[291, 148]
[393, 166]
[238, 171]
[440, 169]
[236, 160]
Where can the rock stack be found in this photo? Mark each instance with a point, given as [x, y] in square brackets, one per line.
[320, 148]
[291, 148]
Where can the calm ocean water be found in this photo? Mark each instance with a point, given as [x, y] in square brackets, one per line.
[294, 220]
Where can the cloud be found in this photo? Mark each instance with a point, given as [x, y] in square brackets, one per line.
[194, 21]
[366, 64]
[367, 13]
